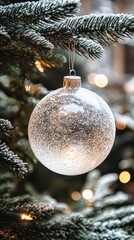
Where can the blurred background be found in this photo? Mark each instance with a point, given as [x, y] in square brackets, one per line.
[112, 77]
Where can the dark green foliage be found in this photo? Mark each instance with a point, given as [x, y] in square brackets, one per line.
[5, 125]
[19, 34]
[30, 29]
[11, 161]
[88, 48]
[26, 205]
[7, 186]
[104, 27]
[8, 159]
[29, 32]
[90, 223]
[31, 11]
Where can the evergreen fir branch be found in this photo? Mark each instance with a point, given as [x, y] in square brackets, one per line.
[83, 46]
[38, 211]
[5, 125]
[24, 204]
[18, 52]
[101, 189]
[61, 229]
[116, 225]
[46, 9]
[88, 48]
[107, 28]
[117, 200]
[61, 208]
[26, 198]
[72, 228]
[7, 185]
[54, 32]
[26, 56]
[13, 94]
[104, 27]
[6, 234]
[35, 39]
[56, 59]
[12, 161]
[44, 35]
[7, 190]
[116, 215]
[4, 36]
[7, 2]
[61, 37]
[118, 234]
[6, 177]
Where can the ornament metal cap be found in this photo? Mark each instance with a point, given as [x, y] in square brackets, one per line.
[72, 82]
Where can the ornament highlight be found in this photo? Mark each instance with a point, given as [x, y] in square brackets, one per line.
[71, 130]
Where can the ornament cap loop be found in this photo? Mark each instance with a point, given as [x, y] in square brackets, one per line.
[72, 82]
[72, 72]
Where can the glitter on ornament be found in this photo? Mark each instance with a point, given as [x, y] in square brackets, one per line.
[71, 130]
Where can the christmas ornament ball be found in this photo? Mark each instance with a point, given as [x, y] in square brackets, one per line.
[71, 130]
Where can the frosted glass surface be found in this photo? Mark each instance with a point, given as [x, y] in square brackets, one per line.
[71, 131]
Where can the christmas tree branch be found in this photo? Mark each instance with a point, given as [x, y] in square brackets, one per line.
[6, 177]
[104, 27]
[12, 93]
[85, 47]
[117, 200]
[7, 158]
[7, 235]
[22, 205]
[112, 222]
[7, 185]
[76, 228]
[118, 234]
[88, 48]
[4, 34]
[5, 125]
[34, 39]
[7, 190]
[11, 161]
[45, 9]
[43, 33]
[126, 215]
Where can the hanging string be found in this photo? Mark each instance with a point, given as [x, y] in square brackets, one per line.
[71, 58]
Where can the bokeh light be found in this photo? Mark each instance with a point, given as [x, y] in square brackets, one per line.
[39, 66]
[124, 177]
[90, 202]
[87, 194]
[27, 87]
[91, 77]
[101, 80]
[121, 124]
[76, 196]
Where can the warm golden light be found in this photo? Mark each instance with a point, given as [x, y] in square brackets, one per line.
[91, 77]
[41, 69]
[71, 152]
[39, 66]
[27, 88]
[87, 194]
[121, 124]
[101, 80]
[90, 202]
[47, 64]
[124, 177]
[26, 217]
[76, 196]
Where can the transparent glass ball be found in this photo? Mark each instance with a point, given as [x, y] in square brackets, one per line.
[71, 130]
